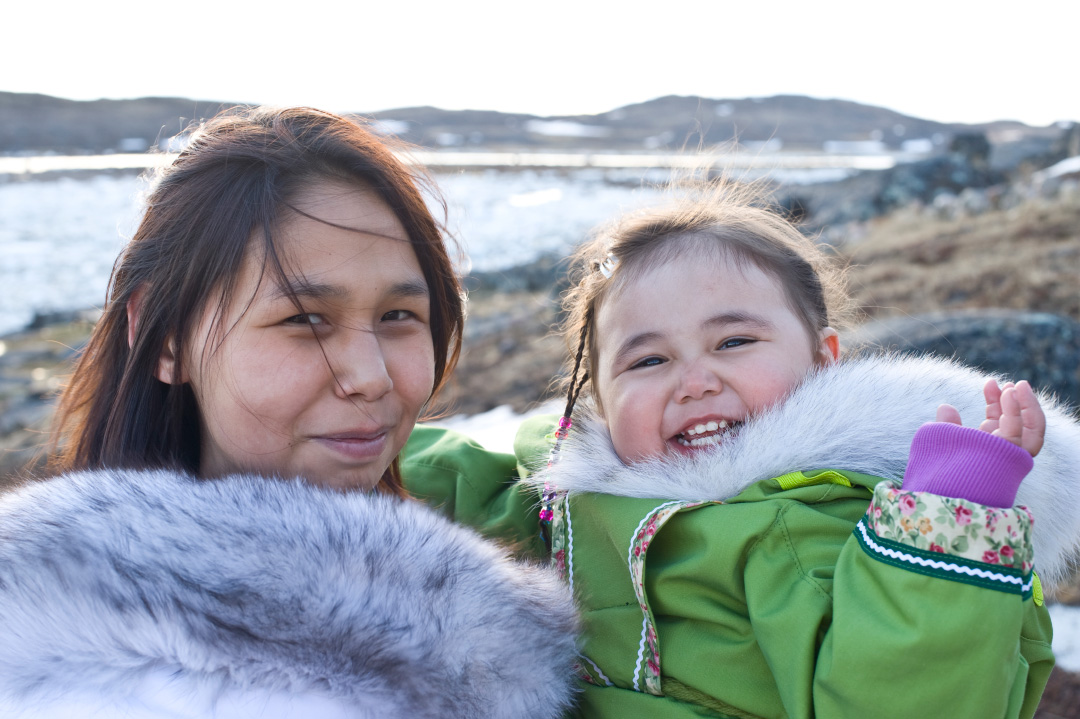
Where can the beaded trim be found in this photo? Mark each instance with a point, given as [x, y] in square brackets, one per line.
[547, 499]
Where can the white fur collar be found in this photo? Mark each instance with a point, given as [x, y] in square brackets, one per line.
[858, 415]
[148, 594]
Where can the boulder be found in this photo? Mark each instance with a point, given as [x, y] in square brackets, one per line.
[1040, 347]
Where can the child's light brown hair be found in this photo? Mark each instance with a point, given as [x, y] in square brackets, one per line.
[717, 218]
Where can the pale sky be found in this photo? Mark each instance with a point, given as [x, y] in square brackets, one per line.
[938, 59]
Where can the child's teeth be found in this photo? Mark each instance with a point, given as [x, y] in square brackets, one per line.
[712, 426]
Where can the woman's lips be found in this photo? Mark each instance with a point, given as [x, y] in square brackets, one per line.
[359, 446]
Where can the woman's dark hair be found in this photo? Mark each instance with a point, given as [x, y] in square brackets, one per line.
[225, 191]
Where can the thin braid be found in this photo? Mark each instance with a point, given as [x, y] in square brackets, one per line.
[574, 389]
[550, 494]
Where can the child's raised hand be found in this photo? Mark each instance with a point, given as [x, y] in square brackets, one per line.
[1012, 413]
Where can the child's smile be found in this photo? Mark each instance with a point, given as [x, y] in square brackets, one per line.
[690, 349]
[705, 433]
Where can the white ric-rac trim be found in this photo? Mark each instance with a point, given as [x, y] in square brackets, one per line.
[641, 653]
[569, 545]
[944, 566]
[603, 676]
[630, 567]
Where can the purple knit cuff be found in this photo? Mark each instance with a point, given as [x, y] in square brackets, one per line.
[966, 463]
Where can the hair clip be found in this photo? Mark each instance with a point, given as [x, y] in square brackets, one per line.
[607, 267]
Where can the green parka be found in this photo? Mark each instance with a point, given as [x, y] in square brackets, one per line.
[753, 581]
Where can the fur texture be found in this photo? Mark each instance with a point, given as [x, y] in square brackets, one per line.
[858, 415]
[153, 594]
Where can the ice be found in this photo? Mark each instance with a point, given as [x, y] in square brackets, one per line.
[565, 128]
[505, 218]
[58, 241]
[59, 238]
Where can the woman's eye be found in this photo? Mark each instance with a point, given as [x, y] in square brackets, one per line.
[397, 316]
[648, 362]
[735, 342]
[307, 318]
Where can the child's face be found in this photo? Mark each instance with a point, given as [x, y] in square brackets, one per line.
[337, 409]
[692, 348]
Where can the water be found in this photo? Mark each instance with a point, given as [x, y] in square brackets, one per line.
[59, 238]
[58, 241]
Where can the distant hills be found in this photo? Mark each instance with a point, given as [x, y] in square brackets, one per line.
[31, 123]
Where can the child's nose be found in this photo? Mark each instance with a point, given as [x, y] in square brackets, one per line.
[698, 381]
[360, 370]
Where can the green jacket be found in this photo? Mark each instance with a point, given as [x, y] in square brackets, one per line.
[773, 604]
[766, 605]
[473, 486]
[752, 580]
[757, 584]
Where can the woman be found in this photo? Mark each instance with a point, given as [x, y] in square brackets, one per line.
[227, 535]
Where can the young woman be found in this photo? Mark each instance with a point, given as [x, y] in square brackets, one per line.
[227, 534]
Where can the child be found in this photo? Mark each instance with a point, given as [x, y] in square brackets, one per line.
[285, 310]
[721, 512]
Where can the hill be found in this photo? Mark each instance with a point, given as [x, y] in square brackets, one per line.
[31, 123]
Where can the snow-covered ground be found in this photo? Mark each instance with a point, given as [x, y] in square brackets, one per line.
[495, 430]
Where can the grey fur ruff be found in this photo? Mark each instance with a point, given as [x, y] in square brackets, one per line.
[248, 584]
[858, 415]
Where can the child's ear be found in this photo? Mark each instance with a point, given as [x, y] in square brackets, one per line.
[829, 346]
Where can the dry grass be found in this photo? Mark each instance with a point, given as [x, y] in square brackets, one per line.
[1025, 258]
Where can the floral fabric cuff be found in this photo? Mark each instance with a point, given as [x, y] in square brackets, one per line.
[949, 537]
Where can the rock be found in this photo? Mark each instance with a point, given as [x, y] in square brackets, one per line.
[1061, 697]
[1040, 347]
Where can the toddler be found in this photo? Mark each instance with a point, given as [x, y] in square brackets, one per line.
[735, 507]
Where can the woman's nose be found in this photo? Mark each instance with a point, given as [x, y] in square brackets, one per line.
[697, 381]
[360, 368]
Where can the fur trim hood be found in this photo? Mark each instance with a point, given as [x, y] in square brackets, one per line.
[858, 415]
[147, 594]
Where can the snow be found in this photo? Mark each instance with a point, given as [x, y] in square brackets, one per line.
[495, 429]
[1066, 621]
[1067, 166]
[855, 147]
[565, 128]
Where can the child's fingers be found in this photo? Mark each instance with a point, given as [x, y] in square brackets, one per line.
[948, 413]
[1031, 417]
[1010, 424]
[992, 393]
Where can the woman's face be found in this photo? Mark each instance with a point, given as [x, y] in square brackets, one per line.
[330, 393]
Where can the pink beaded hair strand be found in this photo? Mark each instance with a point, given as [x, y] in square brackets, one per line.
[565, 421]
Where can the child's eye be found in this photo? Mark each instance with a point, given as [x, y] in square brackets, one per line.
[735, 342]
[648, 362]
[306, 318]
